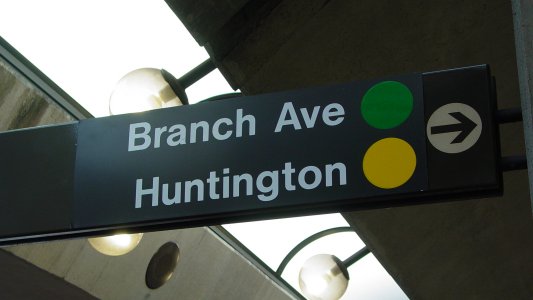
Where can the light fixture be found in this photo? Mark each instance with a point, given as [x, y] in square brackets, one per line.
[150, 88]
[115, 245]
[323, 277]
[146, 89]
[162, 265]
[141, 90]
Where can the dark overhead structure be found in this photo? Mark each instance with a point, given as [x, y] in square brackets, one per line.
[478, 248]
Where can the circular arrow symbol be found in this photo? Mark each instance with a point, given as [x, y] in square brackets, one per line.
[465, 127]
[454, 128]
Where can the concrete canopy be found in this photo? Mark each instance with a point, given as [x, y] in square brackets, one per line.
[470, 249]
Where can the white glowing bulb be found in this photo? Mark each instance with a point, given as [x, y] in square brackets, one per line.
[323, 277]
[115, 245]
[141, 90]
[121, 240]
[316, 285]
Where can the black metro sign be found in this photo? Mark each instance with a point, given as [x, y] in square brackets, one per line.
[396, 141]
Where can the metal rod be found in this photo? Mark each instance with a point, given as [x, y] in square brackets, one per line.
[176, 86]
[196, 74]
[511, 163]
[509, 115]
[306, 242]
[356, 256]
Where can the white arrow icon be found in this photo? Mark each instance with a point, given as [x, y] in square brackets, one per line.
[454, 128]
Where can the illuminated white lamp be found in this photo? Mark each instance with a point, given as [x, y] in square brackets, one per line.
[323, 277]
[115, 245]
[146, 89]
[139, 90]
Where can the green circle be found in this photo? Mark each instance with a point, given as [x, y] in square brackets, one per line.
[387, 104]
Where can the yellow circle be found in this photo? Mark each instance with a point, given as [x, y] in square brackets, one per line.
[389, 163]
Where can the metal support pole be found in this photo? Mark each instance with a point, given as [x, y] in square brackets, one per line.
[511, 163]
[179, 85]
[196, 74]
[356, 256]
[509, 115]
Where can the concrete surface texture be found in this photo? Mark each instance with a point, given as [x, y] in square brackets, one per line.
[523, 24]
[207, 269]
[475, 249]
[72, 269]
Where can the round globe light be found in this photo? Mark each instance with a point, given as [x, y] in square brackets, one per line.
[145, 89]
[323, 277]
[115, 245]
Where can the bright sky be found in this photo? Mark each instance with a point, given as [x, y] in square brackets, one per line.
[87, 46]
